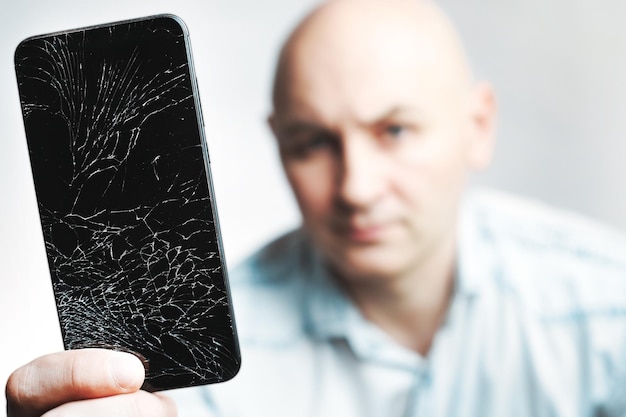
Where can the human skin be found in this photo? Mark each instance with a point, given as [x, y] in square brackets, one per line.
[86, 382]
[378, 123]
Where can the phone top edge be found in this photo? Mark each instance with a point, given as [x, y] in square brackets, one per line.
[179, 21]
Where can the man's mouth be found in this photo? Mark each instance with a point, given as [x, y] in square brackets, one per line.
[362, 233]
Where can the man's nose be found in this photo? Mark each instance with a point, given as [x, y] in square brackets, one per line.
[361, 173]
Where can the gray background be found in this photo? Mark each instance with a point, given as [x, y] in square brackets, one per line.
[559, 69]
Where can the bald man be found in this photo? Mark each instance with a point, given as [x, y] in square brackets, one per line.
[400, 295]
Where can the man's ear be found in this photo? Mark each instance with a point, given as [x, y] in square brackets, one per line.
[482, 126]
[271, 122]
[273, 125]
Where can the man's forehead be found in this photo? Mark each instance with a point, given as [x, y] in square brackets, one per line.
[363, 95]
[296, 118]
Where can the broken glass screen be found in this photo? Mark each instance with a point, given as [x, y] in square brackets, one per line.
[125, 198]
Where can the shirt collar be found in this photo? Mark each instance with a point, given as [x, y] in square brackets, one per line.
[330, 315]
[476, 260]
[327, 310]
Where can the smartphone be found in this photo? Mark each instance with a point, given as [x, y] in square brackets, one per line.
[123, 183]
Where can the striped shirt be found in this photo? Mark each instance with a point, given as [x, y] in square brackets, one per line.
[536, 327]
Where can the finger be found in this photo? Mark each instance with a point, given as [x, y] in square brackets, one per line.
[137, 404]
[69, 376]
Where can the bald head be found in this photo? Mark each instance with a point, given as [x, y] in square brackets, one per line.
[378, 122]
[342, 37]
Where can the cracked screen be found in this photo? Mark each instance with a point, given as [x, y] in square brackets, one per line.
[125, 198]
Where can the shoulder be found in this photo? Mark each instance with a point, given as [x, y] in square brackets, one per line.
[545, 236]
[272, 263]
[557, 262]
[557, 282]
[267, 288]
[268, 291]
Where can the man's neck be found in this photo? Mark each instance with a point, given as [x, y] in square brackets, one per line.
[410, 307]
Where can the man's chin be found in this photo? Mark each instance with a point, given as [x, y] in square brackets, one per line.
[365, 263]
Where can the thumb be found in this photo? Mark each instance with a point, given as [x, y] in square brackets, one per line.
[55, 379]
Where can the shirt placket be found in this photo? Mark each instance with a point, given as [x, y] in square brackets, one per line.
[418, 404]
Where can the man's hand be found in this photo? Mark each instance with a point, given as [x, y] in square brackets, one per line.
[86, 382]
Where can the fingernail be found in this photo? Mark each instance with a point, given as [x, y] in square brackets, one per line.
[128, 372]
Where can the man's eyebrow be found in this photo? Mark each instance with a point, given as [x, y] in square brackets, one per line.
[299, 126]
[294, 128]
[389, 114]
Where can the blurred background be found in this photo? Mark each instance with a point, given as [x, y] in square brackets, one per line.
[559, 69]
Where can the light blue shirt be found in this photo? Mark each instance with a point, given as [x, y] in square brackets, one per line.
[536, 327]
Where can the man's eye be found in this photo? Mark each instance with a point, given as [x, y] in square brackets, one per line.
[316, 142]
[395, 130]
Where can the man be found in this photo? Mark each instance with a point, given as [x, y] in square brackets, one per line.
[400, 296]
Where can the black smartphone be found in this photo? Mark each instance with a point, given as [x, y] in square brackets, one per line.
[122, 177]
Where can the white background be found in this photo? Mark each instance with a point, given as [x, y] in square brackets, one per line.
[559, 68]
